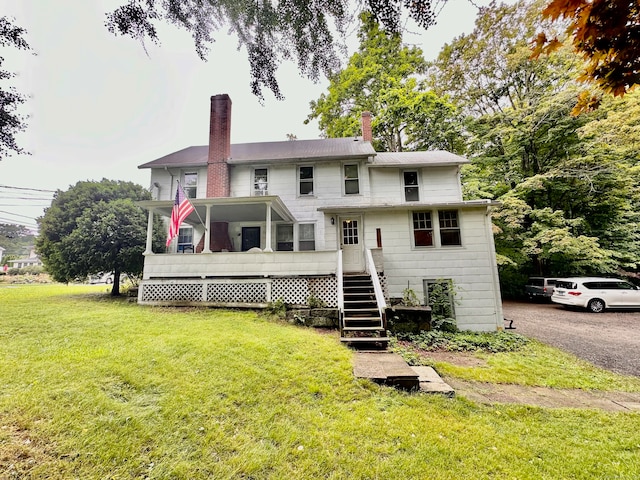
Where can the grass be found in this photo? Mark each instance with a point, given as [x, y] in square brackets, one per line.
[514, 359]
[94, 388]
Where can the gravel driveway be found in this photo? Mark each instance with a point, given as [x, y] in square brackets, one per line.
[609, 340]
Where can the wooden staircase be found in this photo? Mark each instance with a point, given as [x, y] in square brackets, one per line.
[361, 322]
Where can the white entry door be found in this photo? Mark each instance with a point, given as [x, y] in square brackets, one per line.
[351, 244]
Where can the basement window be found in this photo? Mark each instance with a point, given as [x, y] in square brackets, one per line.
[439, 295]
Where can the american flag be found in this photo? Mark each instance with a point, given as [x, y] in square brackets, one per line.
[181, 209]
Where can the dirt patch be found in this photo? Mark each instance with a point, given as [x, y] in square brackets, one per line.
[461, 359]
[19, 453]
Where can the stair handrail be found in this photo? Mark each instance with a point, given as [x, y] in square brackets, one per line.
[377, 288]
[339, 275]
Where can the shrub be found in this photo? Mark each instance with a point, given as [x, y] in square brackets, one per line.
[277, 308]
[315, 302]
[492, 342]
[409, 298]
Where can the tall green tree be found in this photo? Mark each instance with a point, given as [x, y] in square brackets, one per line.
[94, 227]
[383, 78]
[567, 206]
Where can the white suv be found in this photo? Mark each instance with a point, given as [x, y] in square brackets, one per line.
[596, 294]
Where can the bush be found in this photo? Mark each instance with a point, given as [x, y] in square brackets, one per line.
[35, 270]
[409, 298]
[466, 341]
[277, 308]
[315, 302]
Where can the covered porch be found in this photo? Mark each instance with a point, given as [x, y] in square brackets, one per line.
[226, 270]
[218, 221]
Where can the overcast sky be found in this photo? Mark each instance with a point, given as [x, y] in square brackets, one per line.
[101, 105]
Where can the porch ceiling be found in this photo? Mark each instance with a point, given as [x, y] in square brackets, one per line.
[236, 209]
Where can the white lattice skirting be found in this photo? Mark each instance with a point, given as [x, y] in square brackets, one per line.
[292, 290]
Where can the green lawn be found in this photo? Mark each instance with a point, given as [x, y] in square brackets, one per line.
[92, 388]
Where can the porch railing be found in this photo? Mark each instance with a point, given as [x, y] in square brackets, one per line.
[340, 281]
[377, 287]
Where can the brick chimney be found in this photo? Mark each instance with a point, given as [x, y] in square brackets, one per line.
[367, 134]
[219, 147]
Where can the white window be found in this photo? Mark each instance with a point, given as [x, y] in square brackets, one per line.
[185, 239]
[305, 176]
[284, 237]
[306, 236]
[190, 184]
[351, 181]
[449, 227]
[411, 187]
[260, 182]
[422, 229]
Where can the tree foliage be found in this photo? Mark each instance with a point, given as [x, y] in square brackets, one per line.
[94, 227]
[383, 78]
[11, 122]
[606, 33]
[270, 30]
[567, 184]
[15, 239]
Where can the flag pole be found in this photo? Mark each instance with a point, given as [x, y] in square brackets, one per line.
[194, 208]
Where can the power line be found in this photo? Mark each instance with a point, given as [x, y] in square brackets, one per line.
[23, 198]
[25, 188]
[32, 226]
[21, 205]
[16, 214]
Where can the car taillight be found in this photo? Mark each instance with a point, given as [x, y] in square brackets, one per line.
[575, 294]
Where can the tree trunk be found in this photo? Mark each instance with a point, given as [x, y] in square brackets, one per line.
[115, 289]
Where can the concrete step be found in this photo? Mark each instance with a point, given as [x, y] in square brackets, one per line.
[431, 382]
[363, 329]
[387, 369]
[368, 319]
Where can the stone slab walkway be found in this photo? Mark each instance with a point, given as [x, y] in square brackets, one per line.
[385, 368]
[489, 393]
[388, 368]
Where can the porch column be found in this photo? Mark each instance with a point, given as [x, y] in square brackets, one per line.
[267, 247]
[207, 231]
[149, 248]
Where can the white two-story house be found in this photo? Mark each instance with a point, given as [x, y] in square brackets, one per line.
[294, 220]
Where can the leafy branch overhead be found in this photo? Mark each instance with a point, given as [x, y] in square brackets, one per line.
[606, 33]
[300, 30]
[11, 122]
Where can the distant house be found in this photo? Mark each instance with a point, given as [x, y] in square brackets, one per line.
[295, 220]
[31, 261]
[2, 250]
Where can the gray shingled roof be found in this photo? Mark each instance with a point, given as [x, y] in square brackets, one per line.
[296, 150]
[433, 158]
